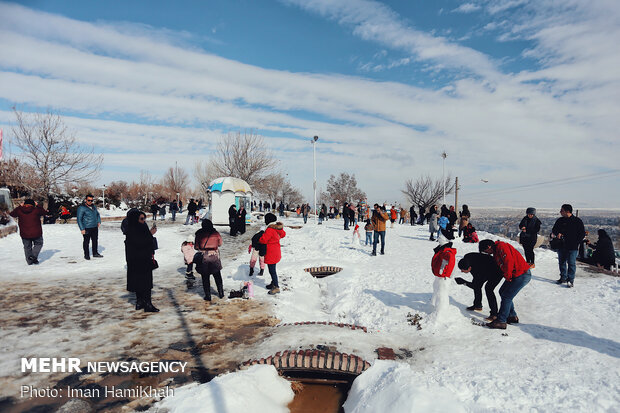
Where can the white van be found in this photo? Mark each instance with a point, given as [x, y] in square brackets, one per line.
[5, 198]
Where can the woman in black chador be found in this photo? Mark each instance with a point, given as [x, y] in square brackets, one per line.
[240, 220]
[139, 255]
[232, 220]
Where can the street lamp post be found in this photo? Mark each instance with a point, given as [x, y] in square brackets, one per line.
[444, 155]
[103, 188]
[316, 138]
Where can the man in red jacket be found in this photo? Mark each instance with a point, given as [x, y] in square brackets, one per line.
[29, 220]
[516, 271]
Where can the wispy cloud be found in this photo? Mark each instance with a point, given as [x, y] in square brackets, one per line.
[144, 97]
[467, 8]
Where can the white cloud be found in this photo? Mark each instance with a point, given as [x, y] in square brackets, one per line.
[176, 100]
[467, 8]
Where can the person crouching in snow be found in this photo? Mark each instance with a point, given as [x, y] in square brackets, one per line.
[442, 265]
[469, 234]
[516, 271]
[258, 252]
[271, 238]
[187, 248]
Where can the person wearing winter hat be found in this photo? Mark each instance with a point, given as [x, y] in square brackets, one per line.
[529, 226]
[272, 236]
[442, 265]
[517, 273]
[29, 221]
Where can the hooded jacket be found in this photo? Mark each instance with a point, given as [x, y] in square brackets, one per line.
[272, 236]
[572, 231]
[443, 261]
[29, 218]
[378, 220]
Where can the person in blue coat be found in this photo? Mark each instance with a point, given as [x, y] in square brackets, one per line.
[89, 220]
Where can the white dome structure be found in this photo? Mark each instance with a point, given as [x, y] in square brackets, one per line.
[224, 192]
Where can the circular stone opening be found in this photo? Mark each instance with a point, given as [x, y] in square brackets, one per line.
[320, 272]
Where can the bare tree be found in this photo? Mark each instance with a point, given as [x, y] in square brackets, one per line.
[53, 151]
[243, 156]
[175, 181]
[343, 188]
[116, 191]
[205, 172]
[426, 191]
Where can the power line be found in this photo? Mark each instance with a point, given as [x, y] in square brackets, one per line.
[558, 182]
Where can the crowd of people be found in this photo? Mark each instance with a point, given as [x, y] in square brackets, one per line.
[494, 261]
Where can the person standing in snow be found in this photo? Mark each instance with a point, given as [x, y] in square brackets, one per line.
[240, 220]
[180, 206]
[189, 252]
[517, 273]
[30, 230]
[422, 215]
[433, 226]
[272, 236]
[412, 215]
[139, 256]
[232, 219]
[162, 211]
[305, 210]
[485, 271]
[154, 210]
[208, 241]
[258, 252]
[442, 265]
[369, 229]
[529, 226]
[570, 231]
[393, 215]
[379, 217]
[174, 208]
[191, 212]
[89, 220]
[345, 215]
[464, 217]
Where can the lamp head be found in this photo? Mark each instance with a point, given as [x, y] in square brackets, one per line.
[316, 138]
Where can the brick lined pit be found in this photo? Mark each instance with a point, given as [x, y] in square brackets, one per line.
[326, 323]
[327, 362]
[320, 272]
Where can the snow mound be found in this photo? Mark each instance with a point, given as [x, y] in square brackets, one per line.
[258, 389]
[389, 386]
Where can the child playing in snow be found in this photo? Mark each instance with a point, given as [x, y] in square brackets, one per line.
[258, 252]
[369, 228]
[469, 234]
[442, 265]
[187, 248]
[271, 238]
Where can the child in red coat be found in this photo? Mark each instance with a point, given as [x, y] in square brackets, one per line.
[442, 264]
[271, 238]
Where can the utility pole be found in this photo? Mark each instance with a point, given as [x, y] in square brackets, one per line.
[456, 194]
[316, 138]
[443, 175]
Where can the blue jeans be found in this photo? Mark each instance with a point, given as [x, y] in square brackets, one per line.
[368, 238]
[508, 291]
[274, 274]
[174, 215]
[189, 218]
[305, 219]
[375, 241]
[567, 258]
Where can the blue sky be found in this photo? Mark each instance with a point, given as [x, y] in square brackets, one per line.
[516, 92]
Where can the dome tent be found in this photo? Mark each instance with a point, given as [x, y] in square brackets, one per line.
[224, 192]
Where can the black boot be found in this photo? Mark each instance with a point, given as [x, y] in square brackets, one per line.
[219, 284]
[251, 271]
[148, 305]
[261, 272]
[139, 301]
[206, 286]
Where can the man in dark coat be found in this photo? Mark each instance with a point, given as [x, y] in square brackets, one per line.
[529, 226]
[345, 215]
[139, 255]
[570, 230]
[154, 210]
[29, 220]
[191, 212]
[484, 270]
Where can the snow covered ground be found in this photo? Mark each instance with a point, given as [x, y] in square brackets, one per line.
[563, 356]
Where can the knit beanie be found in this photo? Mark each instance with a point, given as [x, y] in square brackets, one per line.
[269, 218]
[530, 210]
